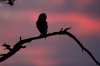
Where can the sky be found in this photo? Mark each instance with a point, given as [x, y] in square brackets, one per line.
[60, 50]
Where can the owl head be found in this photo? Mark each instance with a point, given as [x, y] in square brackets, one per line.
[43, 16]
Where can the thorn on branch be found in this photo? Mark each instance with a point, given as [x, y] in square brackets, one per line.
[7, 46]
[20, 38]
[60, 31]
[64, 30]
[82, 48]
[67, 29]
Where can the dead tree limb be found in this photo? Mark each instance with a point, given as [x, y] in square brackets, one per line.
[19, 44]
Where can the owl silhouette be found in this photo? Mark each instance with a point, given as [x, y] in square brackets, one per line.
[42, 24]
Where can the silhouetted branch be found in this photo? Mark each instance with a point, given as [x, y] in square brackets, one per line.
[7, 46]
[20, 38]
[19, 44]
[83, 48]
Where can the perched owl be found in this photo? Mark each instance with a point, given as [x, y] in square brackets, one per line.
[42, 24]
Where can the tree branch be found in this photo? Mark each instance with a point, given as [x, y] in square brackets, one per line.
[19, 44]
[7, 47]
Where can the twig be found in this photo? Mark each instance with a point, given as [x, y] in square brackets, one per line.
[19, 44]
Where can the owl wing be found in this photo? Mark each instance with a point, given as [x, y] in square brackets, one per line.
[42, 26]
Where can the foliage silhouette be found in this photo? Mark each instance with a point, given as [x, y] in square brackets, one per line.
[19, 44]
[10, 2]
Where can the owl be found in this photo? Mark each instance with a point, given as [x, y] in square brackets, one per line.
[42, 24]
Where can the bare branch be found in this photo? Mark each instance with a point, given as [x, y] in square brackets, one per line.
[7, 46]
[19, 44]
[20, 38]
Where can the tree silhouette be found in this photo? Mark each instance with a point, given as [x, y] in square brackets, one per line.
[20, 43]
[10, 2]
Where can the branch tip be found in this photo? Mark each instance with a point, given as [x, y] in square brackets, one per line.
[67, 29]
[7, 46]
[61, 30]
[20, 38]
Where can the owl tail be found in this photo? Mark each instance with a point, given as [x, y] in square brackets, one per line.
[45, 35]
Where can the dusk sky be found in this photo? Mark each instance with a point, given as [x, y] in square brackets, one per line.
[59, 50]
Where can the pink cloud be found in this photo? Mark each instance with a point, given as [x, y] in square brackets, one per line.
[81, 23]
[42, 56]
[84, 24]
[57, 2]
[84, 3]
